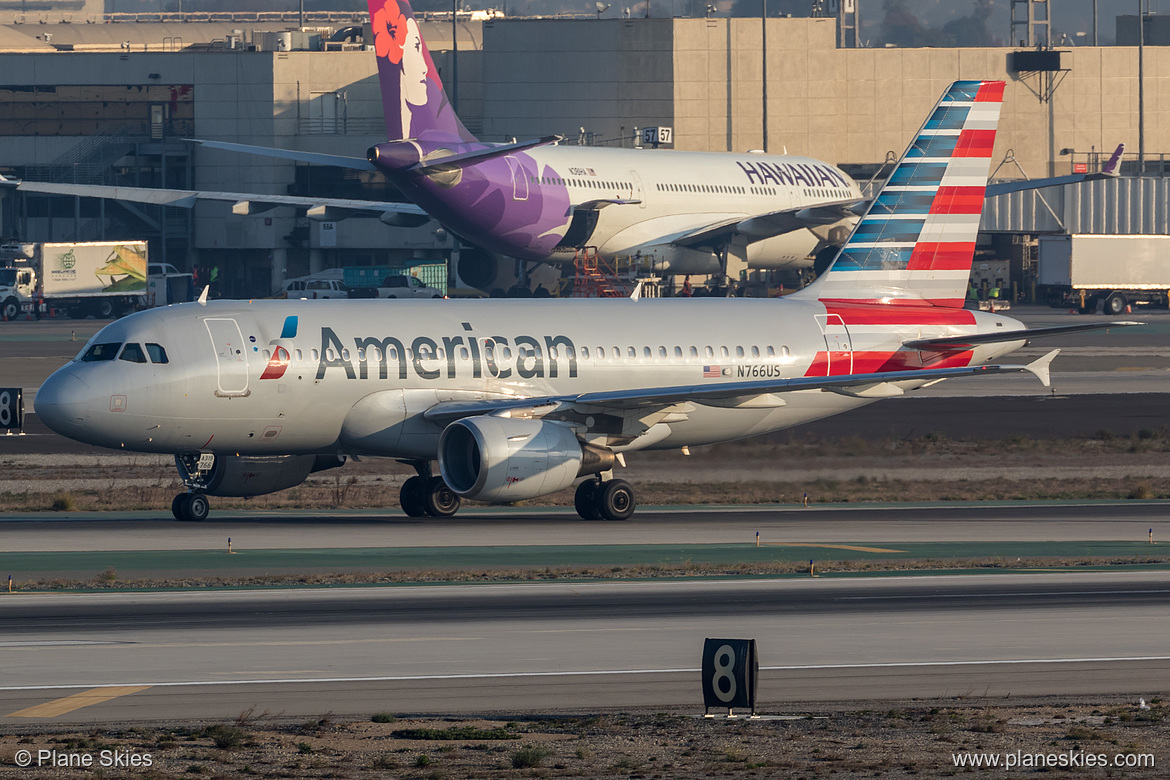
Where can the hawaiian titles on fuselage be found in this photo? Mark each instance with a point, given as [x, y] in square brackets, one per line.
[806, 174]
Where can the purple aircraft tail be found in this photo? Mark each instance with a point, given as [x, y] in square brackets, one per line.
[412, 94]
[1110, 168]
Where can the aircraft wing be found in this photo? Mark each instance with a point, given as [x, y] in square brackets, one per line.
[760, 226]
[243, 202]
[341, 161]
[875, 385]
[1108, 171]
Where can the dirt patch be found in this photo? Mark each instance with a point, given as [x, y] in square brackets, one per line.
[841, 741]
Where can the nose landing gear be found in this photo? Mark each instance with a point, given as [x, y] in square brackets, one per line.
[194, 469]
[191, 507]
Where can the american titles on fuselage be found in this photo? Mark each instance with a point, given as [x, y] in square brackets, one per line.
[533, 357]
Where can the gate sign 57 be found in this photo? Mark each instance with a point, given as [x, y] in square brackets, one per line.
[12, 408]
[730, 672]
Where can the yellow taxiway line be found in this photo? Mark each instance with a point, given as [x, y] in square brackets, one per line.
[52, 709]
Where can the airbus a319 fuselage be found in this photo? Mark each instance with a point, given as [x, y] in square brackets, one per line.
[355, 377]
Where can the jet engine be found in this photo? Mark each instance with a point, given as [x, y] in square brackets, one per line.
[242, 475]
[501, 460]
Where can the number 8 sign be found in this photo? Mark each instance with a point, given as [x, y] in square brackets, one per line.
[730, 669]
[11, 408]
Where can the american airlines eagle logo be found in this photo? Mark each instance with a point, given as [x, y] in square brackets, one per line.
[277, 365]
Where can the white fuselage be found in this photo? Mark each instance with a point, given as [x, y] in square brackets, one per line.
[360, 374]
[679, 193]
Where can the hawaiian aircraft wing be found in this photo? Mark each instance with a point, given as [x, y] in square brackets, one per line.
[879, 385]
[243, 202]
[773, 223]
[316, 158]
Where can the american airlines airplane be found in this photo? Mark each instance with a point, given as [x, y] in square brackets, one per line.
[518, 399]
[680, 212]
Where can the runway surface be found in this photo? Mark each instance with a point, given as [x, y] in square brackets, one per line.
[530, 648]
[485, 527]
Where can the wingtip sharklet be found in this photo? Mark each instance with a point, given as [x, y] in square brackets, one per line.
[1040, 367]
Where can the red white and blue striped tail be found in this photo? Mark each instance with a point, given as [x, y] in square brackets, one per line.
[916, 243]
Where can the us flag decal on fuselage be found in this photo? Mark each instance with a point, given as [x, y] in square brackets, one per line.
[712, 372]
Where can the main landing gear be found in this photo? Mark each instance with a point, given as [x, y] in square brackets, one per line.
[611, 500]
[424, 494]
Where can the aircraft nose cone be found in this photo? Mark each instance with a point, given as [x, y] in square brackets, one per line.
[62, 403]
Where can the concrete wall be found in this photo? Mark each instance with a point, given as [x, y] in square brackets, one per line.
[848, 106]
[555, 76]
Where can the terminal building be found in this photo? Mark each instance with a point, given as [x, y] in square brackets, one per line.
[113, 103]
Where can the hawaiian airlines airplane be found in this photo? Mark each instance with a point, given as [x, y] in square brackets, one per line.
[518, 399]
[680, 212]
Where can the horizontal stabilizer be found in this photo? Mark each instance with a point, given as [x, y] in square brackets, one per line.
[999, 337]
[462, 160]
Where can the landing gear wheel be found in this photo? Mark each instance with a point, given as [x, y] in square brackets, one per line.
[198, 507]
[191, 507]
[615, 500]
[410, 498]
[585, 500]
[440, 500]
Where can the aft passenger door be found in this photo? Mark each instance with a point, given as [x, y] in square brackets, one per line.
[519, 179]
[231, 356]
[839, 352]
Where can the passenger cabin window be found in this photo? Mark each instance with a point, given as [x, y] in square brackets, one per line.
[132, 353]
[100, 352]
[158, 354]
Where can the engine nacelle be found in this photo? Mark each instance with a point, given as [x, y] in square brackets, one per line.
[501, 460]
[242, 475]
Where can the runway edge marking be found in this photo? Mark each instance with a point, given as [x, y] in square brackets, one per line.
[593, 673]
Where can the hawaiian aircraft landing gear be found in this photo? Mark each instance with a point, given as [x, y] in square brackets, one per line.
[424, 494]
[611, 500]
[193, 505]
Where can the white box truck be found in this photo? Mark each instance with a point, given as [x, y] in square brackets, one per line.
[103, 278]
[1087, 271]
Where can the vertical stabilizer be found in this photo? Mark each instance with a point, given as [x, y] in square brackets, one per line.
[916, 243]
[412, 94]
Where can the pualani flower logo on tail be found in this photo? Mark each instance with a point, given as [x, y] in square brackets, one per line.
[398, 43]
[389, 25]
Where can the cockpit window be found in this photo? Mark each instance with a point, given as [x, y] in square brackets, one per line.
[101, 352]
[157, 353]
[132, 353]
